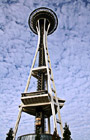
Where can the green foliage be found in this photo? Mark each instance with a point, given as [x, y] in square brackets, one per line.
[67, 133]
[37, 136]
[10, 134]
[55, 136]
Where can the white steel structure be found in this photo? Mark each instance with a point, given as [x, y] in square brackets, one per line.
[42, 103]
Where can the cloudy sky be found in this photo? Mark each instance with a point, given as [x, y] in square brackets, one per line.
[69, 48]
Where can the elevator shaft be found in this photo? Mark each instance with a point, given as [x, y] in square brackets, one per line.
[41, 76]
[40, 118]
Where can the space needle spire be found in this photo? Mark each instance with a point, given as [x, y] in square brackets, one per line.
[43, 102]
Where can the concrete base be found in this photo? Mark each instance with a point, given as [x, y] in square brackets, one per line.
[32, 137]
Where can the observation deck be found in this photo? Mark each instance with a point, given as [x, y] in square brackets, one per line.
[43, 13]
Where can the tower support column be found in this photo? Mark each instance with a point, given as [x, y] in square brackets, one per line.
[49, 129]
[17, 123]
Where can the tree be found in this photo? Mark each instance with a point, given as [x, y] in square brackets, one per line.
[67, 133]
[55, 136]
[37, 136]
[10, 134]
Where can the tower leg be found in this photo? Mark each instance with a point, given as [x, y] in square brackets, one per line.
[58, 109]
[49, 85]
[28, 81]
[17, 122]
[49, 129]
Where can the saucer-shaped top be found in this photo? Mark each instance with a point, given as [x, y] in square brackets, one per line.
[43, 13]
